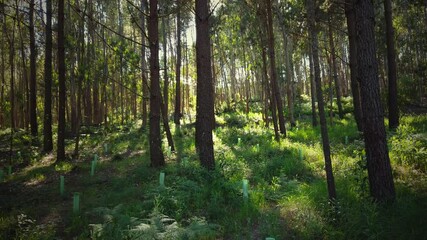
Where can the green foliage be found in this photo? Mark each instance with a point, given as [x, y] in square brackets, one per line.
[63, 167]
[235, 120]
[114, 224]
[23, 227]
[409, 146]
[287, 195]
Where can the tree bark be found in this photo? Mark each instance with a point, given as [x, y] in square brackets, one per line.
[3, 69]
[355, 85]
[93, 58]
[145, 93]
[205, 118]
[33, 76]
[22, 119]
[165, 66]
[274, 85]
[289, 78]
[313, 32]
[177, 113]
[60, 155]
[11, 39]
[47, 122]
[393, 108]
[156, 154]
[335, 69]
[313, 89]
[378, 161]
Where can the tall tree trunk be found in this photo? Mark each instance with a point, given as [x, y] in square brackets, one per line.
[393, 108]
[166, 127]
[22, 119]
[93, 58]
[11, 38]
[379, 168]
[33, 77]
[145, 93]
[354, 80]
[233, 76]
[61, 79]
[47, 122]
[205, 118]
[121, 82]
[104, 101]
[177, 113]
[165, 71]
[270, 96]
[81, 76]
[313, 89]
[156, 154]
[274, 85]
[3, 69]
[313, 32]
[187, 74]
[289, 78]
[335, 69]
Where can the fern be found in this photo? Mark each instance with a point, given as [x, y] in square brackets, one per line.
[116, 225]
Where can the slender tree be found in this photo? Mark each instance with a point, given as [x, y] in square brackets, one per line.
[145, 93]
[60, 155]
[205, 102]
[354, 80]
[11, 40]
[378, 161]
[335, 69]
[393, 109]
[177, 113]
[33, 79]
[312, 89]
[313, 33]
[156, 154]
[273, 71]
[3, 67]
[165, 110]
[47, 120]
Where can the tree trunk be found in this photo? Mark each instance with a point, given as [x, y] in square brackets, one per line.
[313, 89]
[156, 154]
[81, 60]
[104, 101]
[313, 32]
[335, 69]
[205, 118]
[355, 85]
[167, 128]
[145, 93]
[3, 69]
[274, 85]
[177, 113]
[270, 96]
[121, 82]
[93, 58]
[233, 76]
[165, 70]
[61, 79]
[22, 119]
[289, 78]
[11, 38]
[379, 168]
[393, 108]
[33, 77]
[47, 122]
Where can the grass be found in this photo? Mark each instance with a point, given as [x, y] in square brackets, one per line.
[287, 195]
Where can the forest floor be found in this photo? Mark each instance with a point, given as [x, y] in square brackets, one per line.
[287, 188]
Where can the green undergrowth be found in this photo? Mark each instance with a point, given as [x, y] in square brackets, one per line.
[287, 187]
